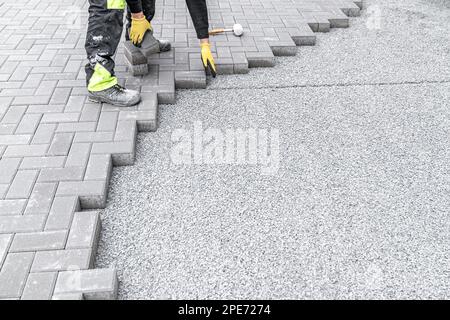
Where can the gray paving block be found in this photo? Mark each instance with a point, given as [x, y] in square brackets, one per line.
[57, 260]
[39, 286]
[99, 167]
[75, 104]
[43, 162]
[68, 296]
[98, 284]
[60, 117]
[8, 169]
[41, 198]
[61, 174]
[107, 121]
[12, 206]
[7, 128]
[22, 184]
[90, 112]
[39, 241]
[36, 150]
[20, 224]
[133, 55]
[5, 242]
[92, 194]
[284, 49]
[77, 127]
[61, 212]
[44, 133]
[29, 100]
[148, 102]
[122, 152]
[14, 274]
[84, 231]
[190, 79]
[60, 144]
[260, 60]
[15, 139]
[147, 120]
[240, 63]
[14, 114]
[78, 154]
[126, 130]
[28, 124]
[3, 189]
[225, 66]
[139, 70]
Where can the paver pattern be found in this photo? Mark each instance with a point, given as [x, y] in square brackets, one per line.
[57, 149]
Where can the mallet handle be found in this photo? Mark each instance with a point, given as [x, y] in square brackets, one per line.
[217, 31]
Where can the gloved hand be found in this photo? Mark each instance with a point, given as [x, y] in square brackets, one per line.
[138, 29]
[207, 58]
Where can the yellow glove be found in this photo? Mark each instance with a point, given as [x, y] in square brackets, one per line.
[207, 59]
[138, 29]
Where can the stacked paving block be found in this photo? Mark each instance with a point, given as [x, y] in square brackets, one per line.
[57, 149]
[137, 62]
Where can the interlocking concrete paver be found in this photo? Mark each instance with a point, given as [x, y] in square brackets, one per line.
[8, 169]
[68, 296]
[94, 284]
[61, 213]
[57, 149]
[21, 224]
[5, 242]
[57, 260]
[12, 207]
[14, 274]
[39, 286]
[38, 241]
[41, 198]
[22, 184]
[84, 231]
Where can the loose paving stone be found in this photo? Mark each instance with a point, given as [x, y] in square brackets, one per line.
[57, 149]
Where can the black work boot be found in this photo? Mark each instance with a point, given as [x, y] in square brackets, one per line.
[164, 45]
[150, 45]
[116, 95]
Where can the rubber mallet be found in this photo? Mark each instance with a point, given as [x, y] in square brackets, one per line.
[238, 30]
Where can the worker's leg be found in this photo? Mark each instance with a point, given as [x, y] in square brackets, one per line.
[103, 36]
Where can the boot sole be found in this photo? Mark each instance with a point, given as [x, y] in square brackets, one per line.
[100, 100]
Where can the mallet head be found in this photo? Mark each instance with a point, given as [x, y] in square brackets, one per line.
[238, 30]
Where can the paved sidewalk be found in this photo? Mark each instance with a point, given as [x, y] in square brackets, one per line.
[359, 205]
[57, 149]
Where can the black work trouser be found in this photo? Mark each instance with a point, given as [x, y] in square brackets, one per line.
[104, 31]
